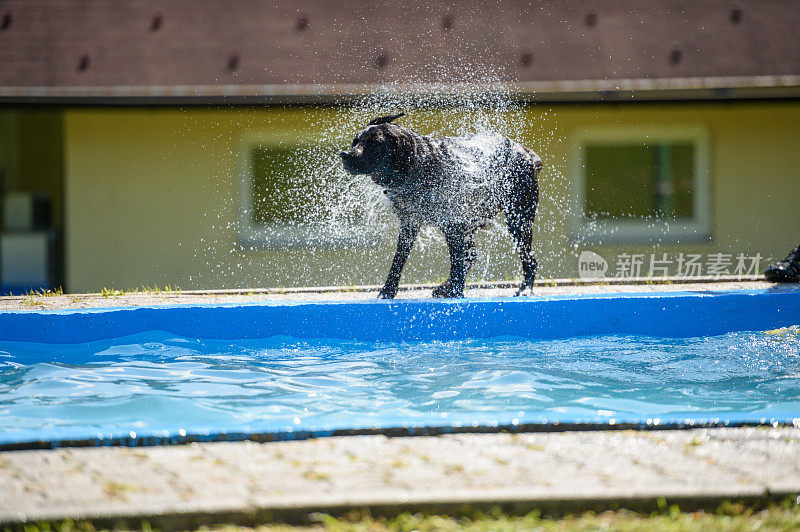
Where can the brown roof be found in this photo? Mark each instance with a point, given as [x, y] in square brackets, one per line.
[197, 46]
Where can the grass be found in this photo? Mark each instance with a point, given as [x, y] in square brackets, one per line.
[109, 292]
[33, 297]
[144, 289]
[727, 517]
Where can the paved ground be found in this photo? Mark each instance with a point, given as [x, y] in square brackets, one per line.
[542, 288]
[192, 484]
[188, 485]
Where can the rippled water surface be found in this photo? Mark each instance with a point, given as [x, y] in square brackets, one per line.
[158, 382]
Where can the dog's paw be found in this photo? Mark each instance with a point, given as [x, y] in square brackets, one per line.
[443, 290]
[387, 293]
[446, 290]
[523, 288]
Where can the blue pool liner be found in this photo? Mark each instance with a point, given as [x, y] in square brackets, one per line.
[664, 314]
[658, 314]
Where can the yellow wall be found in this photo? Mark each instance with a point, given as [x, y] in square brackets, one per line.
[151, 193]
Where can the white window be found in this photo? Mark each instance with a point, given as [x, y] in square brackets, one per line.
[290, 191]
[634, 184]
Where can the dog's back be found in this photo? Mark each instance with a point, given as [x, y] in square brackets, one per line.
[466, 179]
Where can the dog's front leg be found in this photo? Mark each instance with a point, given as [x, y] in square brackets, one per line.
[408, 234]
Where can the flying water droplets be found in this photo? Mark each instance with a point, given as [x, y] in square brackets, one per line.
[297, 218]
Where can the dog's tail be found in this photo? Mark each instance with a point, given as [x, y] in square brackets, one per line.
[385, 119]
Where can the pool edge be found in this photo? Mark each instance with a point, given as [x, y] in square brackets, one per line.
[155, 440]
[665, 314]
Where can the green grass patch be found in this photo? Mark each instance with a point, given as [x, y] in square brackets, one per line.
[728, 517]
[144, 289]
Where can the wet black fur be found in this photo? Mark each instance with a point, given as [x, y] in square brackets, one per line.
[427, 183]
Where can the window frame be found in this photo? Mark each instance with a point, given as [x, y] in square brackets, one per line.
[281, 235]
[694, 229]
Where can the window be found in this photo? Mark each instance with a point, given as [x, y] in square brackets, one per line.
[291, 194]
[634, 184]
[280, 189]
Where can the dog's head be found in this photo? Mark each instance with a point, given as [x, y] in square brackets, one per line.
[383, 150]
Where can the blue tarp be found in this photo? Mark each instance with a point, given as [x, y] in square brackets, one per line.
[660, 314]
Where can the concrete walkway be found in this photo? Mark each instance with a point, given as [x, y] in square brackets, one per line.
[189, 485]
[244, 483]
[474, 290]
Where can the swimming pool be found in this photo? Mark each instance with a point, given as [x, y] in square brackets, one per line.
[277, 371]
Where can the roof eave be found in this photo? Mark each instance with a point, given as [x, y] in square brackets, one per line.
[578, 91]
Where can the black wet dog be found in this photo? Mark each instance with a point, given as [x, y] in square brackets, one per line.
[457, 184]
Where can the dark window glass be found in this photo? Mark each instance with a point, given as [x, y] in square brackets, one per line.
[281, 190]
[639, 180]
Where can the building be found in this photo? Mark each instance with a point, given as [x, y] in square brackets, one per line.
[179, 143]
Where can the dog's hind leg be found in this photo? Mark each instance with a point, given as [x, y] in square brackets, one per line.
[520, 214]
[408, 235]
[459, 243]
[522, 234]
[470, 254]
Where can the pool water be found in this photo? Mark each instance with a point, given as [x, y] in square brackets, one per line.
[156, 383]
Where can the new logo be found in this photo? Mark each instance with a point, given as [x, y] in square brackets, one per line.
[591, 265]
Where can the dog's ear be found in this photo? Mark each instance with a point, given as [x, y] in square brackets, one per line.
[385, 119]
[405, 151]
